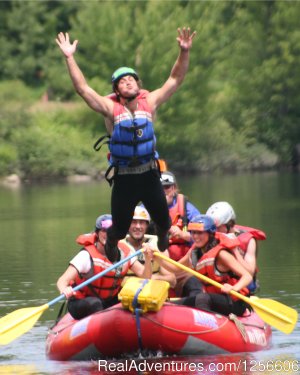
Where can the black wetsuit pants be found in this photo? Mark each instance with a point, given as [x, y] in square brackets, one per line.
[127, 191]
[80, 308]
[221, 303]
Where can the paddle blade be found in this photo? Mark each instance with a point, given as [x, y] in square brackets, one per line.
[276, 314]
[18, 322]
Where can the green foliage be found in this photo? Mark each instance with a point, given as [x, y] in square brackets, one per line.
[278, 81]
[50, 147]
[29, 34]
[16, 92]
[8, 159]
[237, 108]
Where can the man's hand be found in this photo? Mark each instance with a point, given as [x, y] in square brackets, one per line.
[175, 231]
[68, 292]
[185, 38]
[64, 44]
[149, 248]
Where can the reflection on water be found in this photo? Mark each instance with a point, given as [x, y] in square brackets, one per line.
[18, 369]
[38, 227]
[238, 364]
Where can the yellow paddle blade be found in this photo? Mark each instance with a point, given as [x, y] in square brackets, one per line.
[276, 314]
[18, 322]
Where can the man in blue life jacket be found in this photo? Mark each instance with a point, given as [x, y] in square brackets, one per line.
[129, 121]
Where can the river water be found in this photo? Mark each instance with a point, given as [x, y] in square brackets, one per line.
[38, 227]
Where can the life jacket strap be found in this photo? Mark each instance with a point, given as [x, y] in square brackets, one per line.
[99, 143]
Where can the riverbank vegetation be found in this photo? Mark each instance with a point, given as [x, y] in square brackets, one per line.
[238, 107]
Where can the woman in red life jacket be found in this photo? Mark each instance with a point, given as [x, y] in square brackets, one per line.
[211, 255]
[225, 217]
[91, 260]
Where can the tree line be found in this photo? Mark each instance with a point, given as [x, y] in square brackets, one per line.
[238, 107]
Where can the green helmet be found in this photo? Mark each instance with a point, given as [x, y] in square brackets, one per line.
[122, 72]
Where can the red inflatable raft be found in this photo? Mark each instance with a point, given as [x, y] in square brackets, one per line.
[174, 329]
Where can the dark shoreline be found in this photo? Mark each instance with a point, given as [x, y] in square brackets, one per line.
[15, 180]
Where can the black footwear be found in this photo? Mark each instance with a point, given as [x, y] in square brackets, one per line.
[112, 252]
[163, 242]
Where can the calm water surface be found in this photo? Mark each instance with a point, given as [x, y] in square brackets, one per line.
[38, 227]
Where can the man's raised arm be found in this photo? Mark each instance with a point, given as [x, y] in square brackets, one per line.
[97, 102]
[178, 72]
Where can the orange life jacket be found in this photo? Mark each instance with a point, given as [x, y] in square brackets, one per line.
[108, 285]
[246, 233]
[177, 246]
[207, 265]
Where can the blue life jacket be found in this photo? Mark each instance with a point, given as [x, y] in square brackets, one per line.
[133, 140]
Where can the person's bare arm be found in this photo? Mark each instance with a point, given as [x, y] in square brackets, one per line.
[178, 72]
[185, 261]
[175, 231]
[248, 261]
[97, 102]
[63, 283]
[165, 275]
[143, 271]
[250, 256]
[227, 262]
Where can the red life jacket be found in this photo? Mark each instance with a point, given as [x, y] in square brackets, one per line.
[108, 285]
[207, 265]
[246, 233]
[177, 246]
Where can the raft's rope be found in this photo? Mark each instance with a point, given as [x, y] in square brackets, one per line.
[157, 323]
[239, 325]
[137, 312]
[183, 331]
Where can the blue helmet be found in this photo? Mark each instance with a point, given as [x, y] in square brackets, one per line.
[203, 223]
[122, 72]
[103, 222]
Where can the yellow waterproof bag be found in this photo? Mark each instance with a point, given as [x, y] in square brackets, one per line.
[147, 295]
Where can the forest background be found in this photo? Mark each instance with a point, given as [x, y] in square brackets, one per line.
[238, 108]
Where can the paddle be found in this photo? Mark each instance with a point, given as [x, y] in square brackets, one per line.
[20, 321]
[276, 314]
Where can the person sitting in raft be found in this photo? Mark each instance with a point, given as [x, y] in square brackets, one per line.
[137, 237]
[225, 220]
[211, 255]
[91, 260]
[181, 212]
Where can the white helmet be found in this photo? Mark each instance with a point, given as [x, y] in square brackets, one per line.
[140, 213]
[221, 212]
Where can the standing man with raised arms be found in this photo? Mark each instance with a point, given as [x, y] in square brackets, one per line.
[129, 121]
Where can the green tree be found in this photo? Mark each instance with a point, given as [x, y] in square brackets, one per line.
[278, 80]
